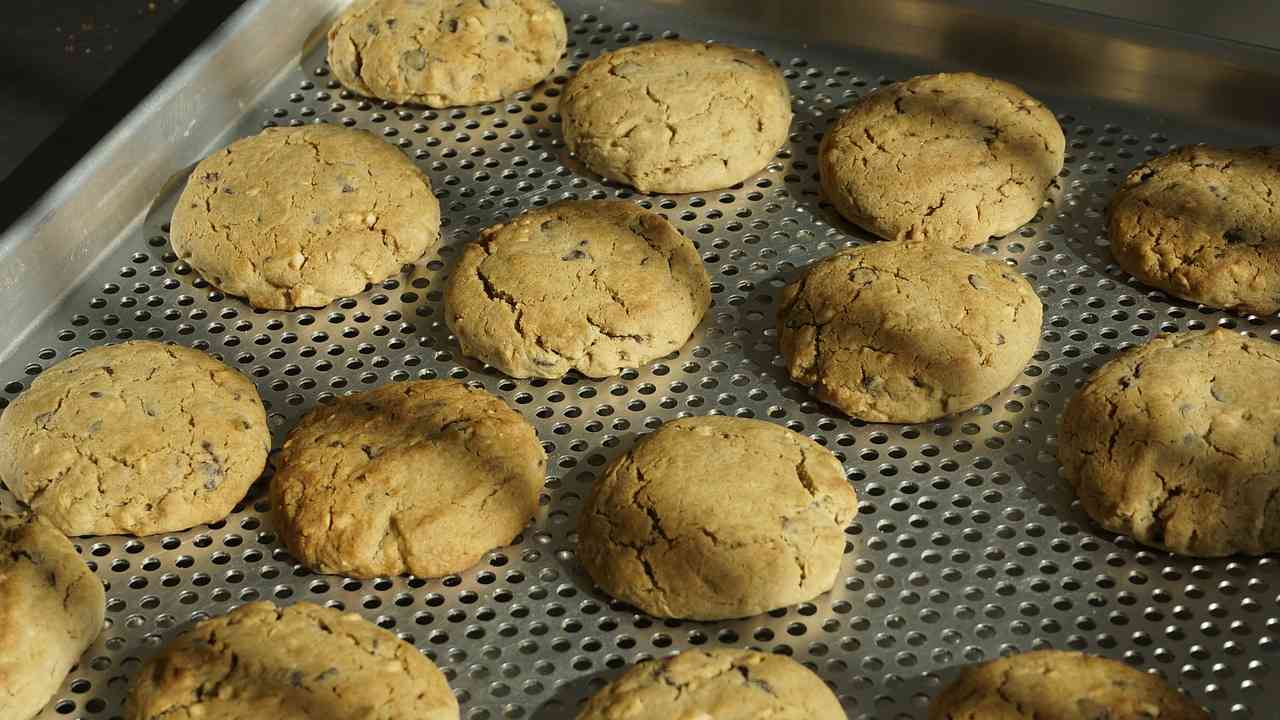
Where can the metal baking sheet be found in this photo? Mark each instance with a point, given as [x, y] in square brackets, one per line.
[966, 546]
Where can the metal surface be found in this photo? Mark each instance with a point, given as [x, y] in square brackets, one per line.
[967, 544]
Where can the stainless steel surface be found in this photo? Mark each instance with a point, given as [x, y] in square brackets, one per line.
[967, 545]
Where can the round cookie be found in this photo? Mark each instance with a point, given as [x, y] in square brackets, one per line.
[655, 531]
[593, 286]
[303, 662]
[51, 609]
[419, 477]
[674, 116]
[300, 216]
[1175, 444]
[1201, 223]
[1058, 685]
[726, 684]
[137, 438]
[907, 332]
[951, 159]
[442, 53]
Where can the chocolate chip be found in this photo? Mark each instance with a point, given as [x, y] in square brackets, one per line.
[372, 28]
[504, 40]
[453, 25]
[228, 191]
[95, 394]
[211, 177]
[1234, 236]
[391, 23]
[415, 59]
[347, 188]
[295, 678]
[575, 255]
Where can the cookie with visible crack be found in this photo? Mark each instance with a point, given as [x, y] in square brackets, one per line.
[296, 217]
[1059, 685]
[673, 116]
[442, 53]
[136, 438]
[951, 159]
[593, 286]
[51, 610]
[420, 477]
[725, 684]
[302, 662]
[1175, 444]
[907, 331]
[654, 531]
[1201, 223]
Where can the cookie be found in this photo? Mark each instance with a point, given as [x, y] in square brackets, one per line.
[51, 610]
[722, 684]
[593, 286]
[441, 53]
[419, 477]
[1202, 224]
[673, 116]
[296, 217]
[1175, 444]
[907, 332]
[950, 159]
[303, 662]
[136, 438]
[1058, 685]
[714, 517]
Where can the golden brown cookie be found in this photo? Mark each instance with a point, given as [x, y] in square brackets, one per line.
[51, 609]
[1176, 444]
[674, 116]
[419, 477]
[303, 662]
[1203, 224]
[136, 438]
[951, 159]
[441, 53]
[907, 331]
[655, 533]
[724, 684]
[593, 286]
[300, 216]
[1057, 685]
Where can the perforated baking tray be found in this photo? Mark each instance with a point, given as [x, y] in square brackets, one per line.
[966, 545]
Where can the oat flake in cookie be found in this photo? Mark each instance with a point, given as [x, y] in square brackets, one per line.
[420, 477]
[726, 684]
[1203, 224]
[906, 331]
[1176, 443]
[950, 159]
[1058, 685]
[303, 662]
[675, 117]
[715, 517]
[297, 217]
[136, 438]
[593, 286]
[442, 53]
[51, 610]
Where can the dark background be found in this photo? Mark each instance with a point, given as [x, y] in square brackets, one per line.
[71, 69]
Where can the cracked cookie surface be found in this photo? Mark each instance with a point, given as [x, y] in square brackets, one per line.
[655, 532]
[443, 53]
[722, 684]
[419, 477]
[1175, 444]
[296, 217]
[1059, 685]
[136, 438]
[673, 116]
[1203, 224]
[51, 610]
[907, 331]
[303, 662]
[593, 286]
[951, 159]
